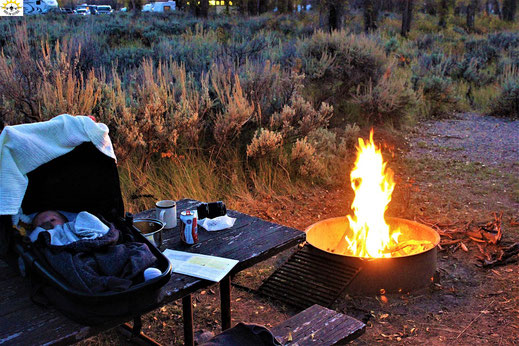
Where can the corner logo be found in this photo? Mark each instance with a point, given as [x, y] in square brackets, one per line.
[11, 7]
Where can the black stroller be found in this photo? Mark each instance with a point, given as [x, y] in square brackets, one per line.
[84, 179]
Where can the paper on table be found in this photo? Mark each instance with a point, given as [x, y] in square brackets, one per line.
[218, 223]
[211, 268]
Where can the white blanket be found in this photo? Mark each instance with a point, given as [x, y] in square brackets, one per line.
[25, 147]
[85, 226]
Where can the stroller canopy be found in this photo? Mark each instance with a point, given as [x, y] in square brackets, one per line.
[24, 148]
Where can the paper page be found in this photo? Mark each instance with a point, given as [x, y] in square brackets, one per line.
[211, 268]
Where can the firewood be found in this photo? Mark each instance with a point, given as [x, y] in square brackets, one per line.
[451, 242]
[506, 256]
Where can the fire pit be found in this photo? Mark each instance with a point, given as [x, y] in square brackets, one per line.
[363, 253]
[394, 254]
[391, 274]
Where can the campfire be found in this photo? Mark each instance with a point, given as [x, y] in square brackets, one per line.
[394, 254]
[371, 236]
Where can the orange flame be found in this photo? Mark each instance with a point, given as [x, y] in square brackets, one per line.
[373, 185]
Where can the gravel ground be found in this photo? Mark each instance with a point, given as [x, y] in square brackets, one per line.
[470, 137]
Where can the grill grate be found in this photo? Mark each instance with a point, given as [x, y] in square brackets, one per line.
[309, 277]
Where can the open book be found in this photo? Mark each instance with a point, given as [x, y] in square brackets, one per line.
[201, 266]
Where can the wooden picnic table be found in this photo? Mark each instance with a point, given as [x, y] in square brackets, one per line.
[250, 241]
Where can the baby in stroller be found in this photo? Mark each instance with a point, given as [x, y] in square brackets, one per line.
[49, 219]
[63, 231]
[89, 255]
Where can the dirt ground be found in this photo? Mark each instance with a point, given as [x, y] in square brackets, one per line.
[452, 174]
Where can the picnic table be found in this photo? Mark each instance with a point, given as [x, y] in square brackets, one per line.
[250, 241]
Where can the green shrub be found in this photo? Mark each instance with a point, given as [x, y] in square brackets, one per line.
[507, 103]
[391, 45]
[439, 96]
[391, 100]
[128, 57]
[337, 64]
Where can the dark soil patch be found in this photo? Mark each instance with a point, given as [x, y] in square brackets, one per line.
[451, 171]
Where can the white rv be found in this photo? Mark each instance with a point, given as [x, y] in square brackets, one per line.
[39, 6]
[159, 7]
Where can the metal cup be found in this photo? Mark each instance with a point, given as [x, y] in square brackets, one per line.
[166, 211]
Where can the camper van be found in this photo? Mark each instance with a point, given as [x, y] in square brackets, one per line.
[159, 7]
[39, 6]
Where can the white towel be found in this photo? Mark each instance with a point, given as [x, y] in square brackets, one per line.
[85, 226]
[25, 147]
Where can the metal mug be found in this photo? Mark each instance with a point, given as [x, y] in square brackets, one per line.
[166, 211]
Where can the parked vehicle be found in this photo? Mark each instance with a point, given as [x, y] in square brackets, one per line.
[83, 12]
[159, 7]
[67, 11]
[82, 7]
[104, 9]
[39, 6]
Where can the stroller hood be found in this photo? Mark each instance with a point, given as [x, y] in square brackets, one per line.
[25, 147]
[82, 180]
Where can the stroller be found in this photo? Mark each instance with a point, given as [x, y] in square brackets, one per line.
[85, 178]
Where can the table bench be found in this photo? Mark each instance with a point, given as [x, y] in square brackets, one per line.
[250, 241]
[317, 325]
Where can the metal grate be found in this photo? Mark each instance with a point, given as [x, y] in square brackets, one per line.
[309, 277]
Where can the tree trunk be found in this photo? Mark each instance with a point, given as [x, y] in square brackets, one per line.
[304, 5]
[471, 12]
[509, 9]
[335, 14]
[406, 17]
[430, 7]
[290, 6]
[443, 11]
[194, 8]
[370, 16]
[262, 6]
[204, 8]
[282, 5]
[497, 9]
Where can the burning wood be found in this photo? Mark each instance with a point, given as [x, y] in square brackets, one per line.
[370, 234]
[409, 247]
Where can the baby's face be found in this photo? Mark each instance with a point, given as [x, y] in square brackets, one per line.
[48, 219]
